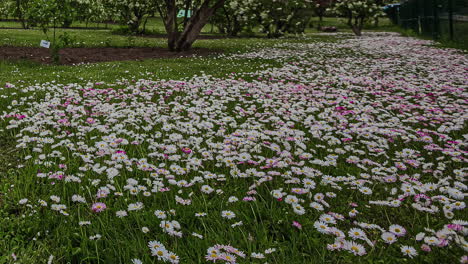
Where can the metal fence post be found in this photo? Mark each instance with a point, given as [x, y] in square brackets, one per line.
[435, 15]
[418, 17]
[450, 18]
[441, 20]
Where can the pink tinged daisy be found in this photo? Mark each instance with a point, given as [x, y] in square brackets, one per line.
[329, 219]
[420, 236]
[408, 251]
[172, 258]
[322, 227]
[98, 207]
[237, 224]
[319, 197]
[228, 214]
[121, 214]
[155, 244]
[135, 206]
[355, 248]
[334, 246]
[291, 199]
[356, 233]
[336, 232]
[228, 257]
[197, 235]
[160, 253]
[160, 214]
[257, 255]
[389, 238]
[298, 209]
[365, 190]
[397, 230]
[316, 206]
[426, 248]
[464, 260]
[297, 225]
[353, 213]
[84, 223]
[78, 199]
[432, 241]
[186, 150]
[207, 189]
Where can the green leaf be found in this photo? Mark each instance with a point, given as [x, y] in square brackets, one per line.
[76, 251]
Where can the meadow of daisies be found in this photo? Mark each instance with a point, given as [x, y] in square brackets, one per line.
[350, 151]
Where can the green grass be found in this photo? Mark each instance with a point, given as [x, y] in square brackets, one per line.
[269, 220]
[27, 72]
[16, 231]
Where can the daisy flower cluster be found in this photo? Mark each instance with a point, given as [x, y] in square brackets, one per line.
[361, 142]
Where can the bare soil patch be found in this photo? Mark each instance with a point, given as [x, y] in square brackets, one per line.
[201, 36]
[71, 56]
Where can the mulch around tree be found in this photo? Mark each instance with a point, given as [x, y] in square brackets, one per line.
[71, 56]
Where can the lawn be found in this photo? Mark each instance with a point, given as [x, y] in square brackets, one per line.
[323, 148]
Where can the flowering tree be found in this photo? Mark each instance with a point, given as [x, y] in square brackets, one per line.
[5, 8]
[132, 13]
[91, 10]
[183, 32]
[236, 16]
[357, 12]
[320, 9]
[39, 13]
[275, 17]
[19, 9]
[285, 16]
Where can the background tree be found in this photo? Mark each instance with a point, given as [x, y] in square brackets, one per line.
[183, 32]
[132, 13]
[379, 3]
[236, 16]
[357, 12]
[5, 9]
[281, 16]
[320, 9]
[50, 13]
[90, 11]
[20, 10]
[273, 17]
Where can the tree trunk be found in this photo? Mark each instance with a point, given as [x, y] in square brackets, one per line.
[192, 30]
[356, 30]
[20, 14]
[320, 23]
[177, 41]
[229, 27]
[144, 26]
[236, 27]
[195, 25]
[358, 24]
[170, 23]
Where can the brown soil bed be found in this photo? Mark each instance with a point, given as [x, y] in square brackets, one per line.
[201, 36]
[70, 56]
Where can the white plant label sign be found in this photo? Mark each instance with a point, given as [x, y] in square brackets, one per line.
[45, 44]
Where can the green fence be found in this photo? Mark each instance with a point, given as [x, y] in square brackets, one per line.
[439, 19]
